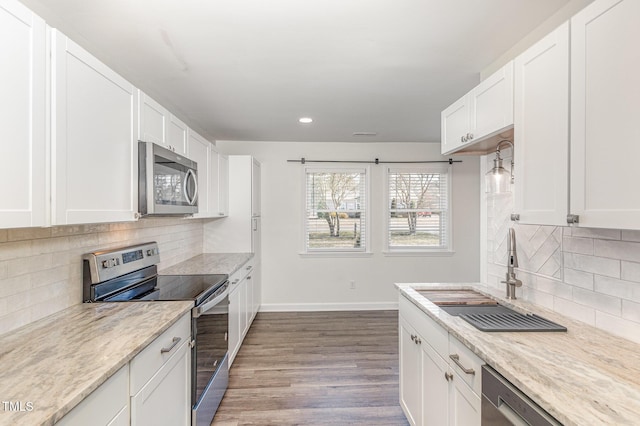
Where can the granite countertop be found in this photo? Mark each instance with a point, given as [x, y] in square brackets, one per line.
[583, 376]
[209, 263]
[56, 362]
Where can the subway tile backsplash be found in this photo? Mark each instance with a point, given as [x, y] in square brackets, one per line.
[41, 268]
[592, 275]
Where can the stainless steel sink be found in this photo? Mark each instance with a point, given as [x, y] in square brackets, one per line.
[501, 318]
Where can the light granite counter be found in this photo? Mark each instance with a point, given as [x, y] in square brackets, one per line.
[582, 377]
[56, 362]
[209, 263]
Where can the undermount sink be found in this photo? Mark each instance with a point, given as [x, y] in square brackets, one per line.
[485, 313]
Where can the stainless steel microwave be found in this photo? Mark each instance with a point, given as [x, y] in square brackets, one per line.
[167, 182]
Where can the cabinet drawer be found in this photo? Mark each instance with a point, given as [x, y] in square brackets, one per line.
[242, 272]
[149, 361]
[104, 406]
[465, 359]
[430, 331]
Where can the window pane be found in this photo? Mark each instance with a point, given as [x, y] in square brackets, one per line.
[335, 216]
[418, 208]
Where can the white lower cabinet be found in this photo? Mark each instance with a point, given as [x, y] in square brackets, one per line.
[243, 305]
[160, 383]
[439, 377]
[153, 389]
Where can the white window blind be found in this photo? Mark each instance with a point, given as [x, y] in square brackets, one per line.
[418, 208]
[335, 211]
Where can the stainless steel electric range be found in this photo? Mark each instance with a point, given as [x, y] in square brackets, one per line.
[131, 274]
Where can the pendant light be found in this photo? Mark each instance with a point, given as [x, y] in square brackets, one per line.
[498, 180]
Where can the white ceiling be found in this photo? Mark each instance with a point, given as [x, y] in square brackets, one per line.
[248, 69]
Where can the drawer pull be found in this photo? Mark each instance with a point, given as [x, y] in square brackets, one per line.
[448, 376]
[456, 359]
[176, 340]
[249, 267]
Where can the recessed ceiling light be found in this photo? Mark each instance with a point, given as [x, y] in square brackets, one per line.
[305, 120]
[365, 134]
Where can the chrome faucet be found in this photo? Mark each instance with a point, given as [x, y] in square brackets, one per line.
[512, 262]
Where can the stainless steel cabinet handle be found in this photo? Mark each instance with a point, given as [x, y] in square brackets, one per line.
[176, 340]
[456, 359]
[235, 281]
[249, 267]
[448, 376]
[470, 136]
[413, 338]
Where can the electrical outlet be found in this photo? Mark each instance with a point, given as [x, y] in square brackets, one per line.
[352, 285]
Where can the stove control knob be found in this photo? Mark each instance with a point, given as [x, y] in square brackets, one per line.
[152, 252]
[109, 263]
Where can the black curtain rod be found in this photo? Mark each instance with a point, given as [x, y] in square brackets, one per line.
[376, 161]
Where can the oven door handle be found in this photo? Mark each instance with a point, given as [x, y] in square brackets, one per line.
[209, 303]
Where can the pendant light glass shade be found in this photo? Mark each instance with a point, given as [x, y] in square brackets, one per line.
[498, 180]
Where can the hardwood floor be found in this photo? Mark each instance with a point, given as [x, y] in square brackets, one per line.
[316, 368]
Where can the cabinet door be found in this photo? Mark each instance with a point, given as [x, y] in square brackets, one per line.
[94, 150]
[242, 296]
[605, 88]
[257, 290]
[152, 120]
[177, 135]
[541, 131]
[256, 184]
[166, 398]
[435, 387]
[223, 185]
[234, 321]
[214, 182]
[455, 125]
[22, 117]
[464, 404]
[410, 374]
[200, 151]
[491, 104]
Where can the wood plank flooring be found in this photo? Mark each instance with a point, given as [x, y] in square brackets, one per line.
[316, 368]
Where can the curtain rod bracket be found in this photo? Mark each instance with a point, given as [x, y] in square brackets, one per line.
[377, 161]
[302, 160]
[450, 160]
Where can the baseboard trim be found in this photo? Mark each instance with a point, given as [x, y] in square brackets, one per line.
[312, 307]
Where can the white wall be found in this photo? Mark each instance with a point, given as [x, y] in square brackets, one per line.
[293, 282]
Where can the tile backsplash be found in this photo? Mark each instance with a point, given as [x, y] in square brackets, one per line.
[592, 275]
[41, 268]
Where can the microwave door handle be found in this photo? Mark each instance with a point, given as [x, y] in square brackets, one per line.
[191, 174]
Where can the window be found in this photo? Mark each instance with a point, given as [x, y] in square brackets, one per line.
[335, 213]
[418, 208]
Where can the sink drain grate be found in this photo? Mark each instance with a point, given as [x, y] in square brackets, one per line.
[511, 322]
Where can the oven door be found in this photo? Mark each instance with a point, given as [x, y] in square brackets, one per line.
[168, 182]
[210, 369]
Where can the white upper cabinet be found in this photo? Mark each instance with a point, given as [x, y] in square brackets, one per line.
[455, 125]
[177, 135]
[22, 117]
[605, 135]
[94, 149]
[152, 120]
[484, 112]
[541, 130]
[199, 151]
[223, 185]
[213, 180]
[156, 124]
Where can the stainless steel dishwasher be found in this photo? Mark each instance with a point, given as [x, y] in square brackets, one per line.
[504, 404]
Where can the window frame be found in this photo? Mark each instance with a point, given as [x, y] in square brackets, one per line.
[365, 249]
[420, 250]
